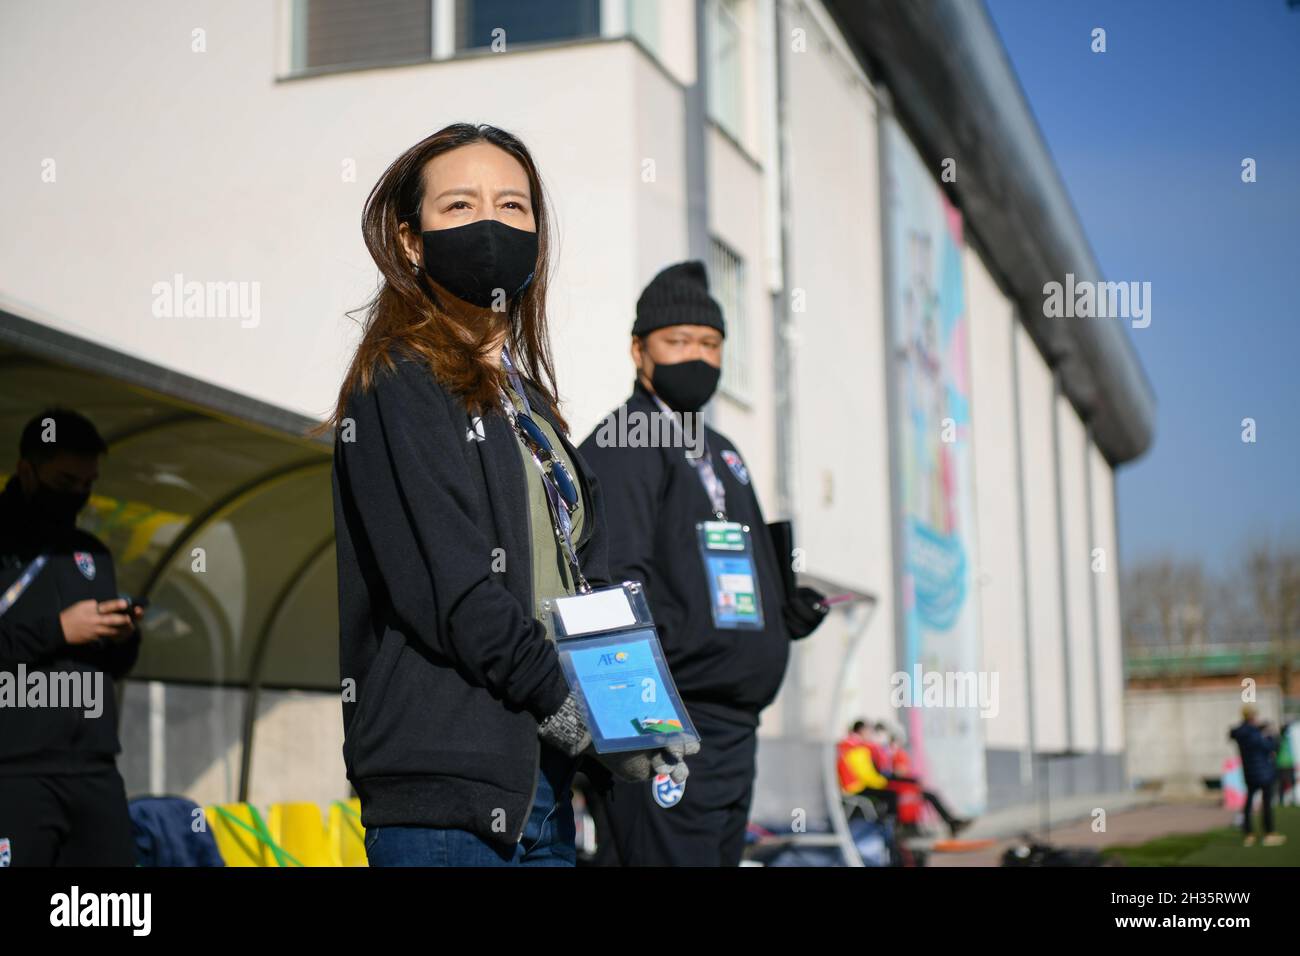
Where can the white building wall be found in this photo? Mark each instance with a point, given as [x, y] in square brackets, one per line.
[736, 196]
[597, 335]
[999, 568]
[1114, 737]
[1078, 569]
[841, 430]
[1047, 659]
[1181, 734]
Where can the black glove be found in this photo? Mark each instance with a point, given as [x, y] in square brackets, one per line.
[565, 730]
[804, 612]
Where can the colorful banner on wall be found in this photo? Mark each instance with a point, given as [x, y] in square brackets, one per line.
[939, 688]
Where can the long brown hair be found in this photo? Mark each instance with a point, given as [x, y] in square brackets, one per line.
[406, 314]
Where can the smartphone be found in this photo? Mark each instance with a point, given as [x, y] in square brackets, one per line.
[834, 599]
[133, 603]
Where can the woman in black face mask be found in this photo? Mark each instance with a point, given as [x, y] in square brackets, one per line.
[460, 506]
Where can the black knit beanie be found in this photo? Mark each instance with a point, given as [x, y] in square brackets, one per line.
[678, 295]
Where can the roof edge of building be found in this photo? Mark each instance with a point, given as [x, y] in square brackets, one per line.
[966, 103]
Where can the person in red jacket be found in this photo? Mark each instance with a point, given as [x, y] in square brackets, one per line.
[911, 790]
[850, 764]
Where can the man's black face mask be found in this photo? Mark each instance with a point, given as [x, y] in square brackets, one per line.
[58, 507]
[475, 260]
[686, 386]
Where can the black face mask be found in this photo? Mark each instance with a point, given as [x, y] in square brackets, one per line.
[685, 386]
[473, 261]
[58, 507]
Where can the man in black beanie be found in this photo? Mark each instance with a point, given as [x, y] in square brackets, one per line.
[684, 519]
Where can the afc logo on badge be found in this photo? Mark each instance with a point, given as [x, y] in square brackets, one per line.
[85, 564]
[667, 793]
[4, 851]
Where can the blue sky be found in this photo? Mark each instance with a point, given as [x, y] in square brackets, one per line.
[1149, 138]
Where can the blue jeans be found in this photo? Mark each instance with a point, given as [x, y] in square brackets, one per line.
[548, 837]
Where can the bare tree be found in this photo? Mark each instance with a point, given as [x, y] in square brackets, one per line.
[1167, 609]
[1273, 577]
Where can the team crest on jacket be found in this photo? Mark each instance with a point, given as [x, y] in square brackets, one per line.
[736, 465]
[5, 853]
[667, 793]
[85, 564]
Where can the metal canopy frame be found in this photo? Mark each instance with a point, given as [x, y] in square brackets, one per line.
[194, 403]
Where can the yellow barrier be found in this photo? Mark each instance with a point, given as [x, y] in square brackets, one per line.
[346, 834]
[242, 836]
[292, 834]
[299, 830]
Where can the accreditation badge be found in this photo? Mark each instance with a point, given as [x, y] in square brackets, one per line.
[613, 662]
[727, 550]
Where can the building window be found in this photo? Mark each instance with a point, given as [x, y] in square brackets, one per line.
[525, 21]
[722, 27]
[339, 33]
[343, 32]
[643, 23]
[727, 284]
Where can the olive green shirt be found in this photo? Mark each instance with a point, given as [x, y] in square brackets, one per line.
[551, 574]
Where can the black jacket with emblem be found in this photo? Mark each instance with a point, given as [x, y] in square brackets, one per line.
[653, 499]
[452, 673]
[64, 739]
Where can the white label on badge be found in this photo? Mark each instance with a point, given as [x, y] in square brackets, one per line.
[735, 583]
[598, 611]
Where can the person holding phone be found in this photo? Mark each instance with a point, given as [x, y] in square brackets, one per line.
[460, 506]
[62, 628]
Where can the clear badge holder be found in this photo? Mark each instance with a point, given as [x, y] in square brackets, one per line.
[614, 664]
[730, 570]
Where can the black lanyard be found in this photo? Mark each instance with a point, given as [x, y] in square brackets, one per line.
[703, 468]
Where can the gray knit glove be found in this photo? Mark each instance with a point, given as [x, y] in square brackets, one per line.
[565, 730]
[637, 765]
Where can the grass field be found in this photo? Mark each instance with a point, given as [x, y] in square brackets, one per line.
[1218, 847]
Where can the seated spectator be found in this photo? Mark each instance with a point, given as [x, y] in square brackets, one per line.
[867, 767]
[901, 778]
[857, 768]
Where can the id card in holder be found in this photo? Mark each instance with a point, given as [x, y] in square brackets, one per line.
[728, 554]
[614, 664]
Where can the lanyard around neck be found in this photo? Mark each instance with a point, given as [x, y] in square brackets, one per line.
[703, 467]
[561, 521]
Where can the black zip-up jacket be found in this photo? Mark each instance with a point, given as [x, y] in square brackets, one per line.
[653, 499]
[452, 673]
[55, 740]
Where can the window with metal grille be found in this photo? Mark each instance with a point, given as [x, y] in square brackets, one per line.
[344, 32]
[727, 285]
[722, 28]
